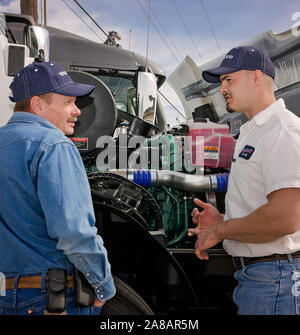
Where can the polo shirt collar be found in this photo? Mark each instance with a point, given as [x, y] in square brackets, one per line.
[263, 116]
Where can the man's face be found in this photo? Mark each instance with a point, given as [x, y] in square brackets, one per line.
[61, 111]
[236, 89]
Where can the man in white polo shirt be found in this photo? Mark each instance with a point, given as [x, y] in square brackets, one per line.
[261, 226]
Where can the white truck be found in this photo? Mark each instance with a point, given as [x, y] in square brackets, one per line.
[156, 271]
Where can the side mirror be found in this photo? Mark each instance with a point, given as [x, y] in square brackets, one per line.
[147, 96]
[37, 39]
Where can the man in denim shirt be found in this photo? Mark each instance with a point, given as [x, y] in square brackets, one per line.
[46, 212]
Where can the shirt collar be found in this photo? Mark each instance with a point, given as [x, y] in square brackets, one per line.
[25, 117]
[263, 116]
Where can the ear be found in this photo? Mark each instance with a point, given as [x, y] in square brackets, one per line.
[258, 77]
[36, 105]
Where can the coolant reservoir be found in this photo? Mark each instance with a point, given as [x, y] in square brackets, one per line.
[210, 144]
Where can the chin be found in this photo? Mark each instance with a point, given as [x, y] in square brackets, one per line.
[69, 132]
[229, 109]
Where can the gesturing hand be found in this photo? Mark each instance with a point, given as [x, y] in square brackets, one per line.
[206, 239]
[208, 217]
[205, 231]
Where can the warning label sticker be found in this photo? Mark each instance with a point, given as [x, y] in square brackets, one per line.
[80, 142]
[211, 152]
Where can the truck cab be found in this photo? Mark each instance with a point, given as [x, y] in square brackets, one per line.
[150, 209]
[21, 43]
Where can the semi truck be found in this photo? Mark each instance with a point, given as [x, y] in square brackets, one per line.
[143, 174]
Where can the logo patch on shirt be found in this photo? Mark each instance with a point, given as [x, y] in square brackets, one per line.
[247, 152]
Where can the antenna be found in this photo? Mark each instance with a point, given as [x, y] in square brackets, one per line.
[129, 44]
[148, 35]
[82, 20]
[108, 37]
[170, 103]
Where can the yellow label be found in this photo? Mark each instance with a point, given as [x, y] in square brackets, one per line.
[211, 148]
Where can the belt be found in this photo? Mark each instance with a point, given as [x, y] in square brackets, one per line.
[252, 260]
[32, 282]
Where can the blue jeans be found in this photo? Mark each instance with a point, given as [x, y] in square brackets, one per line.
[34, 302]
[268, 288]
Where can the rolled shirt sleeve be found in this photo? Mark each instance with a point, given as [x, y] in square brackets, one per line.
[65, 197]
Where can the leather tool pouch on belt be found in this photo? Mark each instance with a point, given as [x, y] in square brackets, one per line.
[56, 290]
[84, 293]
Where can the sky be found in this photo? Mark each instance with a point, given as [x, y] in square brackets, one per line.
[201, 29]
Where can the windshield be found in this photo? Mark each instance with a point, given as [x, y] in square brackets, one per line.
[124, 92]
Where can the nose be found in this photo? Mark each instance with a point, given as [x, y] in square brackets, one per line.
[223, 87]
[76, 110]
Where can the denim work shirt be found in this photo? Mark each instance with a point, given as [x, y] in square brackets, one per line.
[46, 212]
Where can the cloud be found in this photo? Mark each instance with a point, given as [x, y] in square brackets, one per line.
[60, 16]
[10, 6]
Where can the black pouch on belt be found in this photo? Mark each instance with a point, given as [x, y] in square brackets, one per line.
[56, 290]
[84, 292]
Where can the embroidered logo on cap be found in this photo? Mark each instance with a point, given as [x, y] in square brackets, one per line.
[247, 152]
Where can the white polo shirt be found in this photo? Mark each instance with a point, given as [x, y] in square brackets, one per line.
[266, 158]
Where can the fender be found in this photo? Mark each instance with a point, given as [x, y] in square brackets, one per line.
[142, 262]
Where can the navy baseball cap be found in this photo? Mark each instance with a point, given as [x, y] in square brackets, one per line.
[241, 58]
[45, 77]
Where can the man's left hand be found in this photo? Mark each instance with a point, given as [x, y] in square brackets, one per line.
[206, 239]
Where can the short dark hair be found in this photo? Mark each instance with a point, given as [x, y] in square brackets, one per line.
[22, 106]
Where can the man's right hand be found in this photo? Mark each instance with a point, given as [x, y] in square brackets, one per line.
[98, 303]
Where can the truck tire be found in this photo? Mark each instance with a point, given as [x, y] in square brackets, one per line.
[126, 302]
